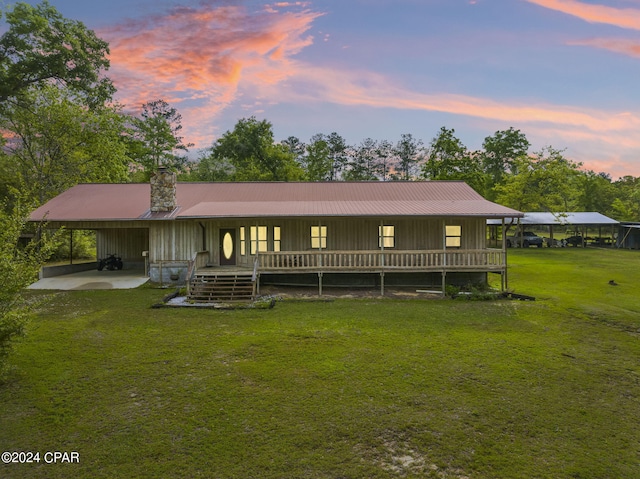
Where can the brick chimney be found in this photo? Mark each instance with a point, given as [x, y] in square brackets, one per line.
[163, 190]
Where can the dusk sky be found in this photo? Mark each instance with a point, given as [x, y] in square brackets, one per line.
[564, 72]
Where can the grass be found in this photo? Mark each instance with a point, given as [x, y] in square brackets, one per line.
[344, 389]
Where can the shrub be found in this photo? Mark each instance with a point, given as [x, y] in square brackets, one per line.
[19, 266]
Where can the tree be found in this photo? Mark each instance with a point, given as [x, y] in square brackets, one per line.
[318, 162]
[19, 266]
[544, 182]
[595, 192]
[41, 47]
[338, 151]
[386, 159]
[501, 150]
[156, 138]
[626, 206]
[296, 148]
[210, 167]
[250, 152]
[56, 142]
[499, 155]
[449, 159]
[365, 162]
[408, 151]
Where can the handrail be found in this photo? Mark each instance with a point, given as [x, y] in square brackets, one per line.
[198, 261]
[254, 276]
[376, 260]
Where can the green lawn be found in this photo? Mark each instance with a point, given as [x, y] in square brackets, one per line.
[344, 389]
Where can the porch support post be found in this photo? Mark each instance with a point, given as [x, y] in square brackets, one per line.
[70, 246]
[505, 280]
[521, 234]
[320, 263]
[381, 240]
[444, 257]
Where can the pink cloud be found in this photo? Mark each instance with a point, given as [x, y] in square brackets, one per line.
[622, 46]
[375, 90]
[621, 17]
[203, 54]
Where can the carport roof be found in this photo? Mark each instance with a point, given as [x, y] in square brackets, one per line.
[575, 218]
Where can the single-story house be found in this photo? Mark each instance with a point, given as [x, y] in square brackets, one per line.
[334, 233]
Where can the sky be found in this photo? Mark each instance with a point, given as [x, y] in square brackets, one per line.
[566, 73]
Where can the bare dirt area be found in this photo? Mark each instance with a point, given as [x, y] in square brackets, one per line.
[311, 293]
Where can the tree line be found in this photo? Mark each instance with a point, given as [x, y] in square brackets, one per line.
[504, 170]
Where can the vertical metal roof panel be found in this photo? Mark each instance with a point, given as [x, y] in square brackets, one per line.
[211, 200]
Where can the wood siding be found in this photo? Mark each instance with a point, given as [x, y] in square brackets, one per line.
[348, 234]
[128, 244]
[176, 243]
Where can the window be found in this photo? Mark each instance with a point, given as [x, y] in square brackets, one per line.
[276, 238]
[452, 236]
[319, 237]
[258, 239]
[386, 236]
[243, 242]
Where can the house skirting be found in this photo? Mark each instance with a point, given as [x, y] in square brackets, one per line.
[169, 272]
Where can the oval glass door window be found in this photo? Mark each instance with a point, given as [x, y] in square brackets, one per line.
[227, 246]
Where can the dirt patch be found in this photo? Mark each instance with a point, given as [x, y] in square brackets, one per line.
[94, 285]
[311, 293]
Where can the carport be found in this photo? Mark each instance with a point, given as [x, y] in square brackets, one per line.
[580, 221]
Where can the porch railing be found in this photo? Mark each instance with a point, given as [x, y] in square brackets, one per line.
[359, 261]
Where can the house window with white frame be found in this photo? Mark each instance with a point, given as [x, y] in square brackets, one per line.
[276, 239]
[452, 236]
[243, 241]
[319, 237]
[258, 239]
[386, 236]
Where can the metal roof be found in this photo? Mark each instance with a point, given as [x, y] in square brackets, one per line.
[103, 202]
[575, 218]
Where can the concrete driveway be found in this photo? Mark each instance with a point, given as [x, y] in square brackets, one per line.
[123, 279]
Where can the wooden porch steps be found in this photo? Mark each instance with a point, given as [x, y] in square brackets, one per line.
[222, 287]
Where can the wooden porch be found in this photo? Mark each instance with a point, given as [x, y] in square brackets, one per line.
[324, 261]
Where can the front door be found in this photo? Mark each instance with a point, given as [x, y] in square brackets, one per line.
[227, 247]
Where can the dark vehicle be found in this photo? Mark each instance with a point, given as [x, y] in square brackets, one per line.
[111, 262]
[525, 239]
[575, 240]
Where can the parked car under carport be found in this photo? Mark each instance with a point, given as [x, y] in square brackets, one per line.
[526, 239]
